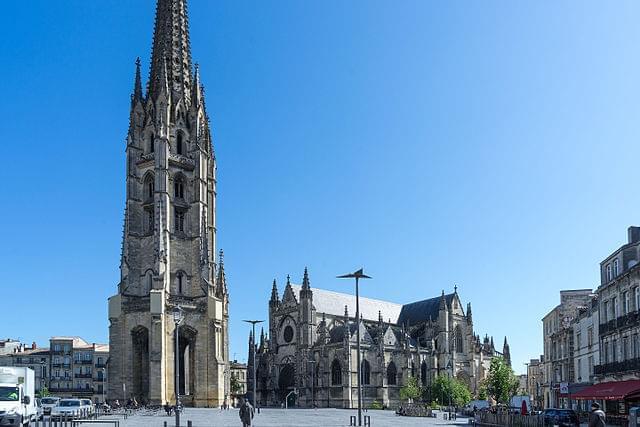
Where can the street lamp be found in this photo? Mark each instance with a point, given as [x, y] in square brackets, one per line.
[104, 376]
[253, 349]
[357, 275]
[449, 366]
[178, 316]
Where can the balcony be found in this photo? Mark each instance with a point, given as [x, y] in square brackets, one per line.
[83, 375]
[100, 365]
[622, 322]
[84, 362]
[617, 367]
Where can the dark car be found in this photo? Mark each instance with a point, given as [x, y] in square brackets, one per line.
[561, 417]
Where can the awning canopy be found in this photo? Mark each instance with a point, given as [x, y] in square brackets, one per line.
[613, 390]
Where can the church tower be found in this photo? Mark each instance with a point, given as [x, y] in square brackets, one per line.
[169, 237]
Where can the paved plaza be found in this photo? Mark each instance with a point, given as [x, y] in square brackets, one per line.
[282, 418]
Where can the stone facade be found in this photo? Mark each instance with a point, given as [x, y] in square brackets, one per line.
[169, 238]
[559, 344]
[619, 313]
[311, 347]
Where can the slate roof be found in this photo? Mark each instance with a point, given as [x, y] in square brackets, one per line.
[333, 303]
[336, 334]
[419, 311]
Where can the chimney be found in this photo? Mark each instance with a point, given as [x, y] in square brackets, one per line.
[633, 234]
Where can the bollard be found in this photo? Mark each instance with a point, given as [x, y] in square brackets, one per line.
[352, 420]
[165, 424]
[367, 420]
[189, 424]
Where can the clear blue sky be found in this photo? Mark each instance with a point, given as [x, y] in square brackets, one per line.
[489, 144]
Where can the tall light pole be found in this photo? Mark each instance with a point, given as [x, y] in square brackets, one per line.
[253, 349]
[104, 376]
[357, 275]
[178, 316]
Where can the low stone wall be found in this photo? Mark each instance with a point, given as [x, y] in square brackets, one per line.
[491, 419]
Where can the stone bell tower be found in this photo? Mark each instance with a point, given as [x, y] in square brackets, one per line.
[169, 237]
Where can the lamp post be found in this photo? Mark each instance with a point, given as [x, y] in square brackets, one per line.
[450, 366]
[104, 376]
[178, 316]
[357, 275]
[253, 350]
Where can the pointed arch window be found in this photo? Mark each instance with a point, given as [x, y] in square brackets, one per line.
[458, 339]
[423, 372]
[178, 187]
[180, 282]
[152, 145]
[149, 187]
[392, 373]
[336, 373]
[179, 220]
[180, 143]
[365, 370]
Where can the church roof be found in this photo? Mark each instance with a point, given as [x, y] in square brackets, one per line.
[418, 312]
[333, 303]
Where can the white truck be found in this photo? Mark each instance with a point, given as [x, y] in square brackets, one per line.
[17, 396]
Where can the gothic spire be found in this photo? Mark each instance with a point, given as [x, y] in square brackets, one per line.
[275, 299]
[221, 279]
[137, 87]
[469, 316]
[305, 280]
[171, 45]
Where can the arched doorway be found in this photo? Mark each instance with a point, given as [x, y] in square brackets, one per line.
[140, 363]
[187, 357]
[287, 382]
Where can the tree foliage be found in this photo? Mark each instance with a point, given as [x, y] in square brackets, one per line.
[235, 385]
[411, 390]
[501, 382]
[44, 392]
[447, 390]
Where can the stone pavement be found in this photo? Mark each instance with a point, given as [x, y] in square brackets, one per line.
[281, 418]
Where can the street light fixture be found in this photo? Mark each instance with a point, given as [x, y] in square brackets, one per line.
[357, 275]
[178, 317]
[253, 324]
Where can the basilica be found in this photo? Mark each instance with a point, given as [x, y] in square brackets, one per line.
[309, 355]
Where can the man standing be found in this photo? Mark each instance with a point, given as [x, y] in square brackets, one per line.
[246, 413]
[597, 417]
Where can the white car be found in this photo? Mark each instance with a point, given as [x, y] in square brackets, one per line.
[48, 403]
[67, 408]
[88, 408]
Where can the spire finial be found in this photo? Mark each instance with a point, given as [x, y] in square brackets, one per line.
[305, 280]
[455, 288]
[137, 87]
[274, 293]
[346, 311]
[171, 43]
[288, 280]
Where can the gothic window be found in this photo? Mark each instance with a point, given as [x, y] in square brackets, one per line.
[288, 334]
[458, 339]
[178, 187]
[365, 370]
[152, 145]
[149, 220]
[180, 283]
[179, 220]
[392, 373]
[149, 187]
[423, 372]
[336, 373]
[179, 143]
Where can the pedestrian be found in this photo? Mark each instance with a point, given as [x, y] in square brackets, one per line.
[597, 417]
[246, 413]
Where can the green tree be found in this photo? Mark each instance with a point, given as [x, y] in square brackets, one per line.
[235, 385]
[482, 391]
[44, 392]
[411, 390]
[447, 390]
[501, 383]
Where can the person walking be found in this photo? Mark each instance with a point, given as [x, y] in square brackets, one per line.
[597, 418]
[246, 413]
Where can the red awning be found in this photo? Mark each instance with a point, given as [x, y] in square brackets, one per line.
[613, 390]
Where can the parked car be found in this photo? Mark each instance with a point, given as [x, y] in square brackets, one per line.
[48, 403]
[39, 413]
[67, 408]
[561, 417]
[87, 407]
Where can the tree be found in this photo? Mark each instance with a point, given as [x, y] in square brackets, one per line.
[44, 392]
[482, 391]
[449, 390]
[411, 390]
[235, 385]
[501, 382]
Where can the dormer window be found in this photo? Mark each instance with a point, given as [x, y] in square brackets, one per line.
[615, 268]
[609, 274]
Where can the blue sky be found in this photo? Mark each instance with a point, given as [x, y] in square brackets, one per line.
[487, 144]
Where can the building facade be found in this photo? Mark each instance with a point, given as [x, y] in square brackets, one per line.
[311, 347]
[619, 312]
[558, 340]
[535, 377]
[586, 352]
[239, 376]
[30, 357]
[169, 237]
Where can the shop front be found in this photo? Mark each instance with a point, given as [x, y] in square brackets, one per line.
[615, 397]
